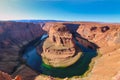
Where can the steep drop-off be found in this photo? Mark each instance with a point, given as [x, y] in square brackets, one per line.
[13, 36]
[103, 36]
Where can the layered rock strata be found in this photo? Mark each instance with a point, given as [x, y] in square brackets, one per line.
[13, 36]
[59, 49]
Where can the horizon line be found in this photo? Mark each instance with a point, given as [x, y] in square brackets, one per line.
[59, 20]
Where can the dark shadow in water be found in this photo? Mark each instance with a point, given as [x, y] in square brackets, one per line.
[79, 68]
[29, 56]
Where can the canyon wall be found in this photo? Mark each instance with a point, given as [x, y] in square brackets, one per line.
[13, 36]
[106, 37]
[18, 33]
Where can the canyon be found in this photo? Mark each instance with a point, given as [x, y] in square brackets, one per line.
[104, 38]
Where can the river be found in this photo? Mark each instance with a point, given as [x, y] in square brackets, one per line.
[33, 59]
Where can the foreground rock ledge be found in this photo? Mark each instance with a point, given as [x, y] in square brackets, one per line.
[59, 49]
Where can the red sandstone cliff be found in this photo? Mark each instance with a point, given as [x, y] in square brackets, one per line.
[17, 33]
[13, 35]
[102, 34]
[105, 36]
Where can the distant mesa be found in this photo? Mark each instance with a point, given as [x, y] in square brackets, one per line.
[59, 49]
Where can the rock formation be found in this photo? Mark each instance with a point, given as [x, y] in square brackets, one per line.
[59, 49]
[107, 38]
[25, 72]
[13, 35]
[104, 35]
[18, 34]
[5, 76]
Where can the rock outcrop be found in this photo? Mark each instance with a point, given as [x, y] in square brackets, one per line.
[59, 50]
[104, 35]
[25, 72]
[5, 76]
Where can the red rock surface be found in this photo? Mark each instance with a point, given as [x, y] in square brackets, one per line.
[5, 76]
[117, 76]
[59, 49]
[102, 34]
[25, 72]
[14, 35]
[17, 33]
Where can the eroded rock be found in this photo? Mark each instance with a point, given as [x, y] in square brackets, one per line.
[59, 49]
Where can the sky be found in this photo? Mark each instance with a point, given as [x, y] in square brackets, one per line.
[68, 10]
